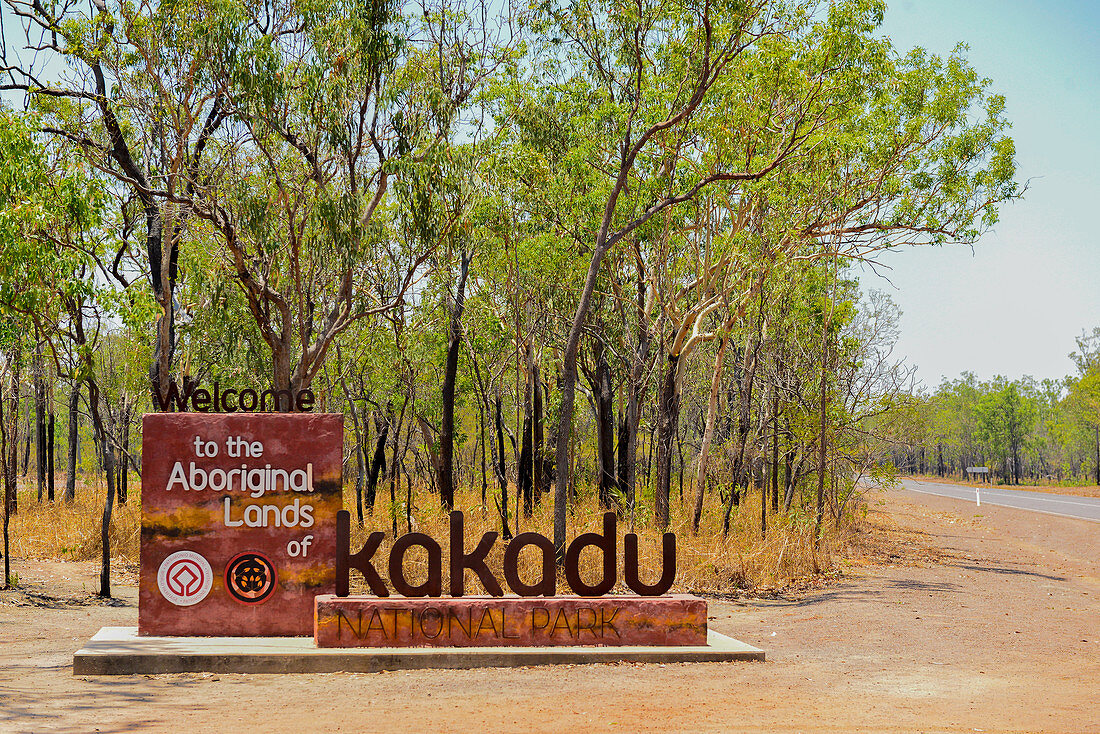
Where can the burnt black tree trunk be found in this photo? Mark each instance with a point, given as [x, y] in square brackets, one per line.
[378, 462]
[745, 379]
[124, 451]
[775, 452]
[9, 453]
[603, 407]
[40, 419]
[524, 477]
[6, 581]
[108, 505]
[446, 478]
[538, 461]
[50, 482]
[76, 314]
[27, 448]
[501, 470]
[631, 417]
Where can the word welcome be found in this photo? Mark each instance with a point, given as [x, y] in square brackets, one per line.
[460, 561]
[230, 401]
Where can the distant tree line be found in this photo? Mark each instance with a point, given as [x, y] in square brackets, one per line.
[1024, 430]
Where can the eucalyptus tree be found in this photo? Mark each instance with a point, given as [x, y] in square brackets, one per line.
[1006, 416]
[304, 165]
[630, 78]
[129, 85]
[904, 150]
[53, 269]
[442, 198]
[1082, 401]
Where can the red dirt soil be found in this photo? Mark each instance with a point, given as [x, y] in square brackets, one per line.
[945, 619]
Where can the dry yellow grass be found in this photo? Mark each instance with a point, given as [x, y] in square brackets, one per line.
[707, 563]
[61, 530]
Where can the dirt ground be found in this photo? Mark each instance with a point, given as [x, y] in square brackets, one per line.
[944, 620]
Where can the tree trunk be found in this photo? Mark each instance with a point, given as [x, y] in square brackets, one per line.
[11, 459]
[648, 450]
[604, 401]
[108, 504]
[395, 463]
[822, 438]
[7, 433]
[122, 486]
[708, 432]
[568, 389]
[668, 416]
[7, 505]
[481, 430]
[498, 463]
[788, 471]
[50, 479]
[74, 437]
[538, 461]
[628, 428]
[524, 462]
[80, 341]
[446, 479]
[744, 400]
[27, 449]
[377, 462]
[775, 451]
[483, 410]
[40, 420]
[360, 476]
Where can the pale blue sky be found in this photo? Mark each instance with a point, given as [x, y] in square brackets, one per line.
[1014, 305]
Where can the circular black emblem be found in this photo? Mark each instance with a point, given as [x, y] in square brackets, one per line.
[250, 578]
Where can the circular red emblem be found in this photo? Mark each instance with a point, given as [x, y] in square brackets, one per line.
[250, 578]
[184, 578]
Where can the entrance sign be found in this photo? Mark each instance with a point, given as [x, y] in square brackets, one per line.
[243, 535]
[536, 617]
[977, 470]
[238, 529]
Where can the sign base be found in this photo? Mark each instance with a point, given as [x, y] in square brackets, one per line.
[120, 651]
[484, 621]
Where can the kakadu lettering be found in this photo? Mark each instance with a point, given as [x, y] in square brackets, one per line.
[460, 561]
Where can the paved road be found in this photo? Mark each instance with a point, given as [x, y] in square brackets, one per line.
[1086, 508]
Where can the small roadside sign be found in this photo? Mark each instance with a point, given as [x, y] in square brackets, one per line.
[979, 470]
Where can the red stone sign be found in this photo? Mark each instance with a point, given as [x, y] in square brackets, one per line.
[238, 527]
[480, 621]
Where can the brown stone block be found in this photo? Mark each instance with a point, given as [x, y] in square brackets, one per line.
[481, 621]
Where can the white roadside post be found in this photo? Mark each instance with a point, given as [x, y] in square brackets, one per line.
[978, 488]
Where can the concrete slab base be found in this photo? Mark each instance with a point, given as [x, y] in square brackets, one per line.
[119, 651]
